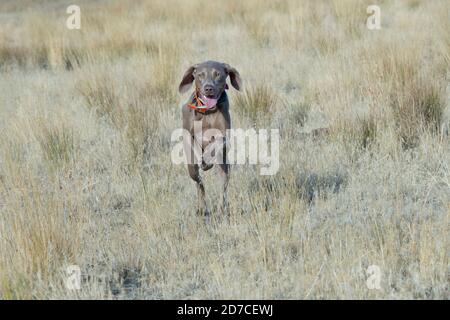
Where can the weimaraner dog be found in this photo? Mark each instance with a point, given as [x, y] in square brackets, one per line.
[207, 109]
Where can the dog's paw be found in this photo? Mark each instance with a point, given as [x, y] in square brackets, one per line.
[206, 166]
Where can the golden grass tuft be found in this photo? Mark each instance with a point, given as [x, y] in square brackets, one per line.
[419, 106]
[56, 142]
[256, 102]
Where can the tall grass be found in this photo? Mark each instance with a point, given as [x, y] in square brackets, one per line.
[256, 102]
[86, 177]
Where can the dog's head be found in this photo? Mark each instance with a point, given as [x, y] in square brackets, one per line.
[210, 78]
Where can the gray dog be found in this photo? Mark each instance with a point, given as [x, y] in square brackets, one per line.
[208, 108]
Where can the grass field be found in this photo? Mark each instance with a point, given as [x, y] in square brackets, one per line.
[86, 176]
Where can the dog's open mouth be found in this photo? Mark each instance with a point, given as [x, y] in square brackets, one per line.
[209, 102]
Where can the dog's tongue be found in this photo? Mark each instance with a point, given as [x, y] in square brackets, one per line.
[209, 102]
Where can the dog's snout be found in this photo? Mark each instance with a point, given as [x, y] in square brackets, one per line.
[208, 89]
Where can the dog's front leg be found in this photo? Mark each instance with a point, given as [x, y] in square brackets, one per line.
[202, 208]
[215, 153]
[224, 172]
[193, 155]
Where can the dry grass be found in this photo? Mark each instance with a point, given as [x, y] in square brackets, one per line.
[85, 170]
[256, 102]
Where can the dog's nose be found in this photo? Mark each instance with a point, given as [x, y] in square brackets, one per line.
[209, 90]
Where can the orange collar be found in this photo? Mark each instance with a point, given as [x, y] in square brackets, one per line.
[197, 104]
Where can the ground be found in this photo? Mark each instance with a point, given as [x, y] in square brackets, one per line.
[359, 210]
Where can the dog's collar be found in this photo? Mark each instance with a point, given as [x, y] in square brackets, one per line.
[198, 105]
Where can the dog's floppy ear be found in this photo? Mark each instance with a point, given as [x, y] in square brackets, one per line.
[187, 80]
[235, 77]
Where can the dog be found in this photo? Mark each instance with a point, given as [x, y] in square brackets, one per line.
[207, 108]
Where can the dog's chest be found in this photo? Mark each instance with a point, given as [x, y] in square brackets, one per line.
[205, 122]
[207, 128]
